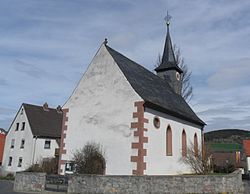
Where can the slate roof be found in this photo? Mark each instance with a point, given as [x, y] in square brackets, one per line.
[44, 123]
[168, 61]
[155, 91]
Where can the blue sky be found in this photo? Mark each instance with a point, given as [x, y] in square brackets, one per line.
[45, 47]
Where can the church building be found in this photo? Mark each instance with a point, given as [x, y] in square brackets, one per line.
[139, 118]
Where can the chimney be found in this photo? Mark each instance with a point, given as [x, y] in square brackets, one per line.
[45, 106]
[59, 109]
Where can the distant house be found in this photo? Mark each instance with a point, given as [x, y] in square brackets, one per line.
[33, 136]
[246, 147]
[2, 141]
[225, 155]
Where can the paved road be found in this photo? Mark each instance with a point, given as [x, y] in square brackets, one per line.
[6, 187]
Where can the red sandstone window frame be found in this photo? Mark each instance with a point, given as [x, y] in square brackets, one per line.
[156, 122]
[184, 143]
[169, 151]
[195, 145]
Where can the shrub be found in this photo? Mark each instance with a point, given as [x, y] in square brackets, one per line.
[90, 159]
[47, 165]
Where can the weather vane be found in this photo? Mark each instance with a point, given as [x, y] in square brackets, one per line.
[168, 18]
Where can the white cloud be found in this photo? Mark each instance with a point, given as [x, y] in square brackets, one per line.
[58, 39]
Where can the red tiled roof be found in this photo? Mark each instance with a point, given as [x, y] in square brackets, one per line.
[246, 145]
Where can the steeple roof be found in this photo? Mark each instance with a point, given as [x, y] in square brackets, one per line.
[168, 61]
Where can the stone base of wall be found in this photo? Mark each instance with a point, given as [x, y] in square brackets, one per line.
[29, 182]
[195, 184]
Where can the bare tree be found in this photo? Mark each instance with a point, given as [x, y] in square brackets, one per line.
[199, 160]
[90, 159]
[187, 88]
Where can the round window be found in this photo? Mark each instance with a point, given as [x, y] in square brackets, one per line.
[157, 122]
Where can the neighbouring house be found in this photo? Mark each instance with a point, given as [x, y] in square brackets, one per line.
[226, 156]
[139, 117]
[2, 141]
[34, 135]
[246, 147]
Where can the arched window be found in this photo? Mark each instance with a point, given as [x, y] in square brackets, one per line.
[195, 145]
[184, 143]
[169, 141]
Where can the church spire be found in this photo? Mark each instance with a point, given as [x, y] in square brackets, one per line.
[168, 68]
[168, 61]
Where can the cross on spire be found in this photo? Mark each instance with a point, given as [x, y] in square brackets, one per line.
[167, 19]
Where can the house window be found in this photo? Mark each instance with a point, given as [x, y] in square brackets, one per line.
[195, 145]
[23, 126]
[47, 144]
[10, 161]
[184, 143]
[17, 126]
[22, 144]
[12, 143]
[169, 141]
[22, 111]
[20, 161]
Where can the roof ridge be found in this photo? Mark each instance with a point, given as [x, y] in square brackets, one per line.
[37, 106]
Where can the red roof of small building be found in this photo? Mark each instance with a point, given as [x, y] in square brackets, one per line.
[246, 145]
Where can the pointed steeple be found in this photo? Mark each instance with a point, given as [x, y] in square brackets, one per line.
[168, 61]
[168, 68]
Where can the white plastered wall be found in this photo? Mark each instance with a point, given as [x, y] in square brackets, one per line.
[40, 152]
[16, 152]
[248, 163]
[158, 163]
[100, 110]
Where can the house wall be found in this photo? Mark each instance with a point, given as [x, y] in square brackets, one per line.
[101, 110]
[157, 162]
[41, 152]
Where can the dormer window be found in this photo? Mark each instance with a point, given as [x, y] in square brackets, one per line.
[17, 126]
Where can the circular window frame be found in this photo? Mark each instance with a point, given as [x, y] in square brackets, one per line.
[157, 122]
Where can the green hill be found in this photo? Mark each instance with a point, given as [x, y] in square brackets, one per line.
[227, 136]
